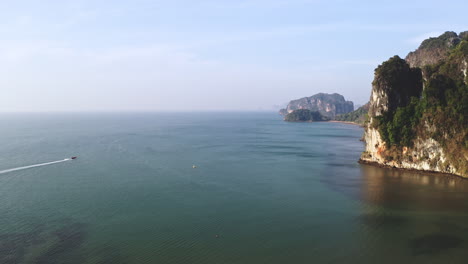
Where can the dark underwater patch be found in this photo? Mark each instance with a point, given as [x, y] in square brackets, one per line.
[69, 239]
[109, 255]
[382, 220]
[450, 227]
[13, 246]
[434, 243]
[66, 241]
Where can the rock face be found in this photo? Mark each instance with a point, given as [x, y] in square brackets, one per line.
[329, 105]
[433, 50]
[424, 129]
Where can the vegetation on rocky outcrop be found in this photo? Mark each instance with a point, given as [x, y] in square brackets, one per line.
[401, 86]
[398, 81]
[405, 114]
[358, 116]
[305, 115]
[433, 50]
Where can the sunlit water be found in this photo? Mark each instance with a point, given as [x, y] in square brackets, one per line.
[263, 191]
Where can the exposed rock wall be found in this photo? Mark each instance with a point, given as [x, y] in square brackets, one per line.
[426, 154]
[433, 50]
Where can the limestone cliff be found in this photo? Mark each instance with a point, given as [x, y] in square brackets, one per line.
[418, 118]
[329, 105]
[433, 50]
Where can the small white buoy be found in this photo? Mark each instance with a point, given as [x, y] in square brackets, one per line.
[194, 167]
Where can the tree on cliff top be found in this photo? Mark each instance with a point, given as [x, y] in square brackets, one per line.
[398, 81]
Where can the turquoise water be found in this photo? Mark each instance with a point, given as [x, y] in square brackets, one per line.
[263, 191]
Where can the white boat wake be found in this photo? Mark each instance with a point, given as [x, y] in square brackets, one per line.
[33, 166]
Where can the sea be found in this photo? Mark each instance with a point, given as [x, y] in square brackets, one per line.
[214, 187]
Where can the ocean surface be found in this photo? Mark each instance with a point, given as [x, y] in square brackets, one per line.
[263, 191]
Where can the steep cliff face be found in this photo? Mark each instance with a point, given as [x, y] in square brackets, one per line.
[329, 105]
[421, 128]
[433, 50]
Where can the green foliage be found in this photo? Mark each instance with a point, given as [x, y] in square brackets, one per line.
[359, 116]
[464, 35]
[457, 60]
[443, 104]
[462, 48]
[399, 128]
[441, 41]
[429, 70]
[305, 115]
[398, 81]
[436, 88]
[440, 112]
[396, 73]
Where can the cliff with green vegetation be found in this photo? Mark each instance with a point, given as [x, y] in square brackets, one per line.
[328, 105]
[305, 115]
[418, 110]
[358, 116]
[433, 50]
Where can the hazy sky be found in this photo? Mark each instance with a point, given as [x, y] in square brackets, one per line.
[147, 55]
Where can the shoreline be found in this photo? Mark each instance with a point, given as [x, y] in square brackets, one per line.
[345, 122]
[330, 121]
[376, 164]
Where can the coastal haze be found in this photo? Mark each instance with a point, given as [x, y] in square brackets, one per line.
[237, 132]
[203, 55]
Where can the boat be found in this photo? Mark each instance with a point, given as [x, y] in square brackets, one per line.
[74, 157]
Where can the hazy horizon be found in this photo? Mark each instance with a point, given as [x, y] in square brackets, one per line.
[156, 56]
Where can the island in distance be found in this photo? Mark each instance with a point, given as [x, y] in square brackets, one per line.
[324, 107]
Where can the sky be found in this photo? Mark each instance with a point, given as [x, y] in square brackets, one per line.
[202, 55]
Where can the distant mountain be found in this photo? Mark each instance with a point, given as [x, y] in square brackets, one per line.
[328, 105]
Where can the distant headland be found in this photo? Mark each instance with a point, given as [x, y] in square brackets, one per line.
[324, 107]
